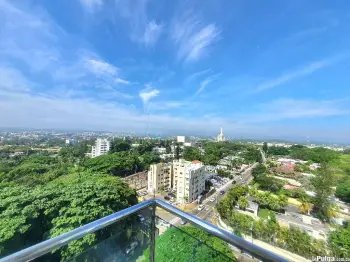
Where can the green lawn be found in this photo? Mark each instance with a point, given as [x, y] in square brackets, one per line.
[263, 213]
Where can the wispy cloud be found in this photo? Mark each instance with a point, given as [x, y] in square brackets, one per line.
[287, 108]
[166, 105]
[13, 80]
[101, 68]
[91, 5]
[142, 28]
[206, 82]
[148, 93]
[30, 36]
[196, 75]
[122, 81]
[193, 37]
[301, 72]
[152, 33]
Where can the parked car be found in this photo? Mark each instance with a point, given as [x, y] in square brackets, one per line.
[222, 192]
[200, 207]
[183, 222]
[212, 199]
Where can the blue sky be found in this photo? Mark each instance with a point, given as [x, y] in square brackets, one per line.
[259, 69]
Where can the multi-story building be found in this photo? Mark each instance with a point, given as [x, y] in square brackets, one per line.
[160, 177]
[181, 139]
[101, 147]
[187, 178]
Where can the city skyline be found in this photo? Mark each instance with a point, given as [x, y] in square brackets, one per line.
[177, 68]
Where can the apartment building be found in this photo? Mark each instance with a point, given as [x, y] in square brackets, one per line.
[188, 180]
[101, 147]
[160, 177]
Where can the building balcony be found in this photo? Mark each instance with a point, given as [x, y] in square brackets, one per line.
[138, 234]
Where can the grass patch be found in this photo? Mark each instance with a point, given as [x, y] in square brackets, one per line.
[263, 213]
[344, 163]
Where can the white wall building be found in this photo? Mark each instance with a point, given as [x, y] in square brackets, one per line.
[101, 147]
[159, 150]
[181, 139]
[189, 180]
[160, 177]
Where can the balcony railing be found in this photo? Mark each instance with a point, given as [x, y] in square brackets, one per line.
[129, 244]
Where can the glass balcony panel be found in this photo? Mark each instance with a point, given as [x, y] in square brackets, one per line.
[125, 240]
[188, 243]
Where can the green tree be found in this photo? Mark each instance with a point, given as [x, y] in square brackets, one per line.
[343, 190]
[264, 147]
[119, 145]
[191, 153]
[167, 147]
[260, 169]
[323, 183]
[30, 215]
[339, 242]
[177, 151]
[117, 164]
[243, 202]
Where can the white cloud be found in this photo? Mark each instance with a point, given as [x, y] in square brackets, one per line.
[206, 82]
[91, 5]
[304, 71]
[122, 81]
[286, 108]
[148, 93]
[12, 79]
[29, 36]
[193, 37]
[152, 33]
[141, 28]
[195, 75]
[101, 68]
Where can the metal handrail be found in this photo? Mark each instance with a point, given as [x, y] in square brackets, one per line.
[242, 244]
[61, 240]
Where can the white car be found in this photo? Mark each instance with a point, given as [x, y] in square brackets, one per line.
[200, 207]
[212, 199]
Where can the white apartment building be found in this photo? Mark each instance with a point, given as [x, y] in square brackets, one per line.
[188, 180]
[100, 148]
[160, 176]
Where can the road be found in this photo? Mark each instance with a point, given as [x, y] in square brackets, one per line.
[207, 213]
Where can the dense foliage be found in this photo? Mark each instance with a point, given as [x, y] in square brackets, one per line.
[323, 183]
[31, 215]
[317, 154]
[271, 232]
[189, 243]
[343, 190]
[339, 242]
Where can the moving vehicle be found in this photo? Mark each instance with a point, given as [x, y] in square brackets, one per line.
[222, 192]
